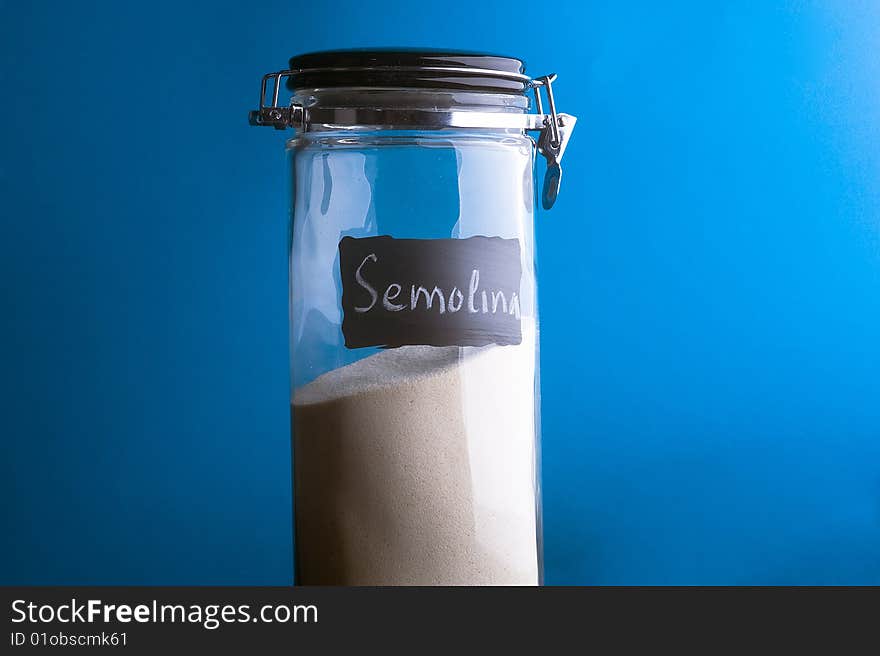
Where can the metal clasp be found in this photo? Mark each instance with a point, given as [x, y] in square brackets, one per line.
[281, 118]
[553, 140]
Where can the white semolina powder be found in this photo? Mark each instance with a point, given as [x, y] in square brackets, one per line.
[416, 466]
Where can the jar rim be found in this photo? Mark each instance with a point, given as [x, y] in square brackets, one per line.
[421, 98]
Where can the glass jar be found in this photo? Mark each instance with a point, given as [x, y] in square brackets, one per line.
[413, 314]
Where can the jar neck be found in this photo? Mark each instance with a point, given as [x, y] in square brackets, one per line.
[410, 99]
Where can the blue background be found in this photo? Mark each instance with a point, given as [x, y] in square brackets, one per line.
[710, 401]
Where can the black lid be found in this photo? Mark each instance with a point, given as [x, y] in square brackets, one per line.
[401, 68]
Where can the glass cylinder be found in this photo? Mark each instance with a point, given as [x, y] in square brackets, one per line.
[413, 321]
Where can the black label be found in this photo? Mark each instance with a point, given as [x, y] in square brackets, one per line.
[439, 292]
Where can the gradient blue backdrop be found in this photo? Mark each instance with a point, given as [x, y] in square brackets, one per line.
[711, 408]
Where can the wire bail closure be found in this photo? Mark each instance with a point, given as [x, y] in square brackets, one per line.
[554, 128]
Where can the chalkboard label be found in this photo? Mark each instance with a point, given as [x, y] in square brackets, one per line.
[439, 292]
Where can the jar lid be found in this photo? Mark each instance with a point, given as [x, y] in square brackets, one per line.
[426, 69]
[403, 68]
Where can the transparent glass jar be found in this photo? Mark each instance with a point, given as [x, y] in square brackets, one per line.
[413, 317]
